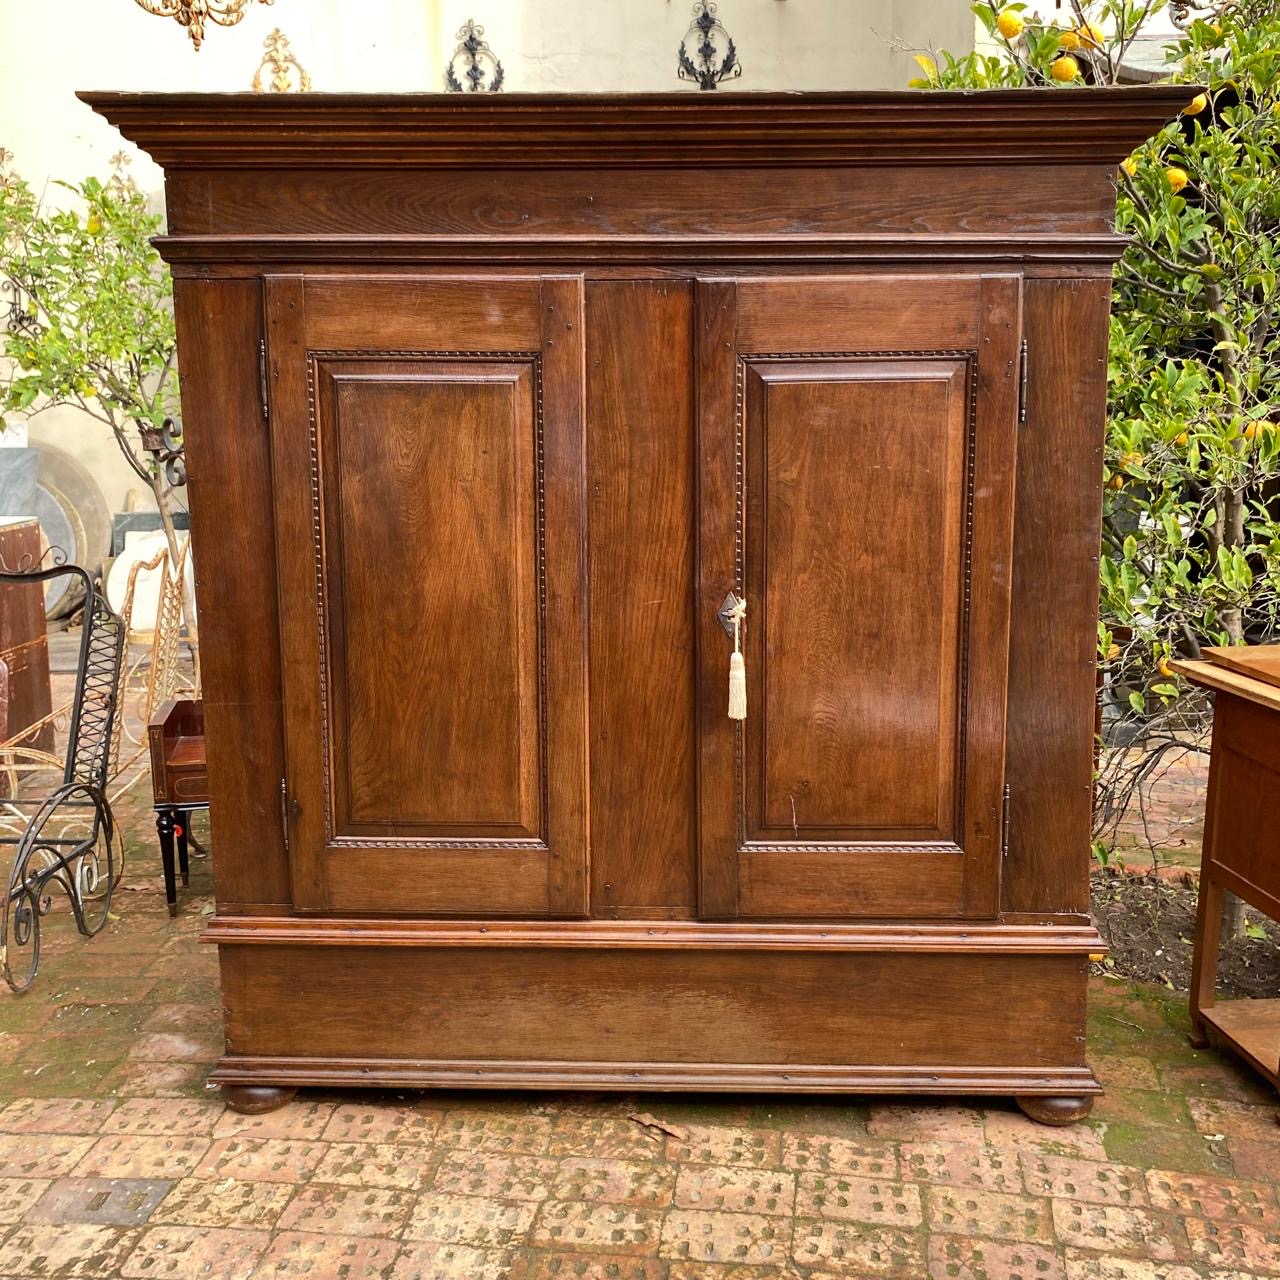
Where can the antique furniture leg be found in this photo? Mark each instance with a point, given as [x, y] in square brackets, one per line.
[165, 828]
[184, 869]
[1055, 1109]
[1208, 936]
[254, 1099]
[1204, 962]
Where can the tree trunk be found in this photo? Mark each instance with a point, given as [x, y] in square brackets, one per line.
[1232, 916]
[160, 489]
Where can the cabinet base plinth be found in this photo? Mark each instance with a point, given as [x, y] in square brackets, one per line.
[1056, 1109]
[255, 1099]
[729, 1020]
[1073, 1084]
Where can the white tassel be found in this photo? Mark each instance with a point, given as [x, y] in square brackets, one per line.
[737, 667]
[737, 688]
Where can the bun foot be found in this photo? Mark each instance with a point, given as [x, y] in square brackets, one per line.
[1055, 1109]
[254, 1099]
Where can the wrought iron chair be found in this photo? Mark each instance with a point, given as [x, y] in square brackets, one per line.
[70, 837]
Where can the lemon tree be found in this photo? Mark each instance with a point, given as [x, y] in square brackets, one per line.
[91, 323]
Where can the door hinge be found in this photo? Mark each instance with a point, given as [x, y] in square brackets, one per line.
[262, 376]
[1004, 823]
[284, 811]
[1022, 385]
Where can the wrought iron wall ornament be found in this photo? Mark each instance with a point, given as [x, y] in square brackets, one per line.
[479, 63]
[717, 55]
[165, 445]
[193, 14]
[14, 309]
[121, 179]
[287, 74]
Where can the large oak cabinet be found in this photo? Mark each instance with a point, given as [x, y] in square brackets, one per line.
[494, 407]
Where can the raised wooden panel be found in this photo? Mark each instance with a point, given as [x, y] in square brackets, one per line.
[431, 510]
[856, 482]
[431, 472]
[867, 777]
[1245, 826]
[640, 446]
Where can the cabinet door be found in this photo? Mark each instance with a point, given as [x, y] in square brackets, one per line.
[427, 458]
[856, 473]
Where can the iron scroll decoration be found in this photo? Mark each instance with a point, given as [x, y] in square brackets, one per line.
[165, 444]
[481, 69]
[717, 55]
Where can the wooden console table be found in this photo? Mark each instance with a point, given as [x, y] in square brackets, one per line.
[179, 782]
[518, 401]
[1241, 849]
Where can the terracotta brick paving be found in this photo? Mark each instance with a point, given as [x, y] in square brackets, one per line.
[117, 1160]
[1168, 817]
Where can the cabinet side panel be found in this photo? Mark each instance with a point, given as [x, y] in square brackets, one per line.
[233, 544]
[640, 545]
[1055, 591]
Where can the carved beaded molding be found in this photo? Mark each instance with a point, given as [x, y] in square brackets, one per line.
[533, 359]
[745, 359]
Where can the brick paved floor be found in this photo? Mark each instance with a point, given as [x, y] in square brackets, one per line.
[1168, 816]
[116, 1160]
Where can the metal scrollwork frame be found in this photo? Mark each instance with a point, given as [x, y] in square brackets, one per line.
[70, 838]
[480, 63]
[706, 72]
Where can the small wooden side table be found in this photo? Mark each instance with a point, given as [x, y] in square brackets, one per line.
[1241, 839]
[179, 781]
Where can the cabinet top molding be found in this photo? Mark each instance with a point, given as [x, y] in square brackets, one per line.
[725, 130]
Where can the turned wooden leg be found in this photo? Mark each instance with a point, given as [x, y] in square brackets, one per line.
[1055, 1109]
[164, 829]
[184, 866]
[254, 1099]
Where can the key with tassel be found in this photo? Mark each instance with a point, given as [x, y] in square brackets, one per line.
[737, 665]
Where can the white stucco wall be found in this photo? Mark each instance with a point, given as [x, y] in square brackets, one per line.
[51, 48]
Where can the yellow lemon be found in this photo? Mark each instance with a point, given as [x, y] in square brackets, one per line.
[1113, 653]
[1089, 34]
[1181, 438]
[1196, 105]
[1176, 178]
[1068, 40]
[1256, 429]
[1010, 24]
[1116, 482]
[1130, 166]
[1064, 69]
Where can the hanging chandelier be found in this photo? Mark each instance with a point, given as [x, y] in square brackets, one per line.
[193, 14]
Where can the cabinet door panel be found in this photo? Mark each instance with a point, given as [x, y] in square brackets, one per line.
[429, 520]
[866, 516]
